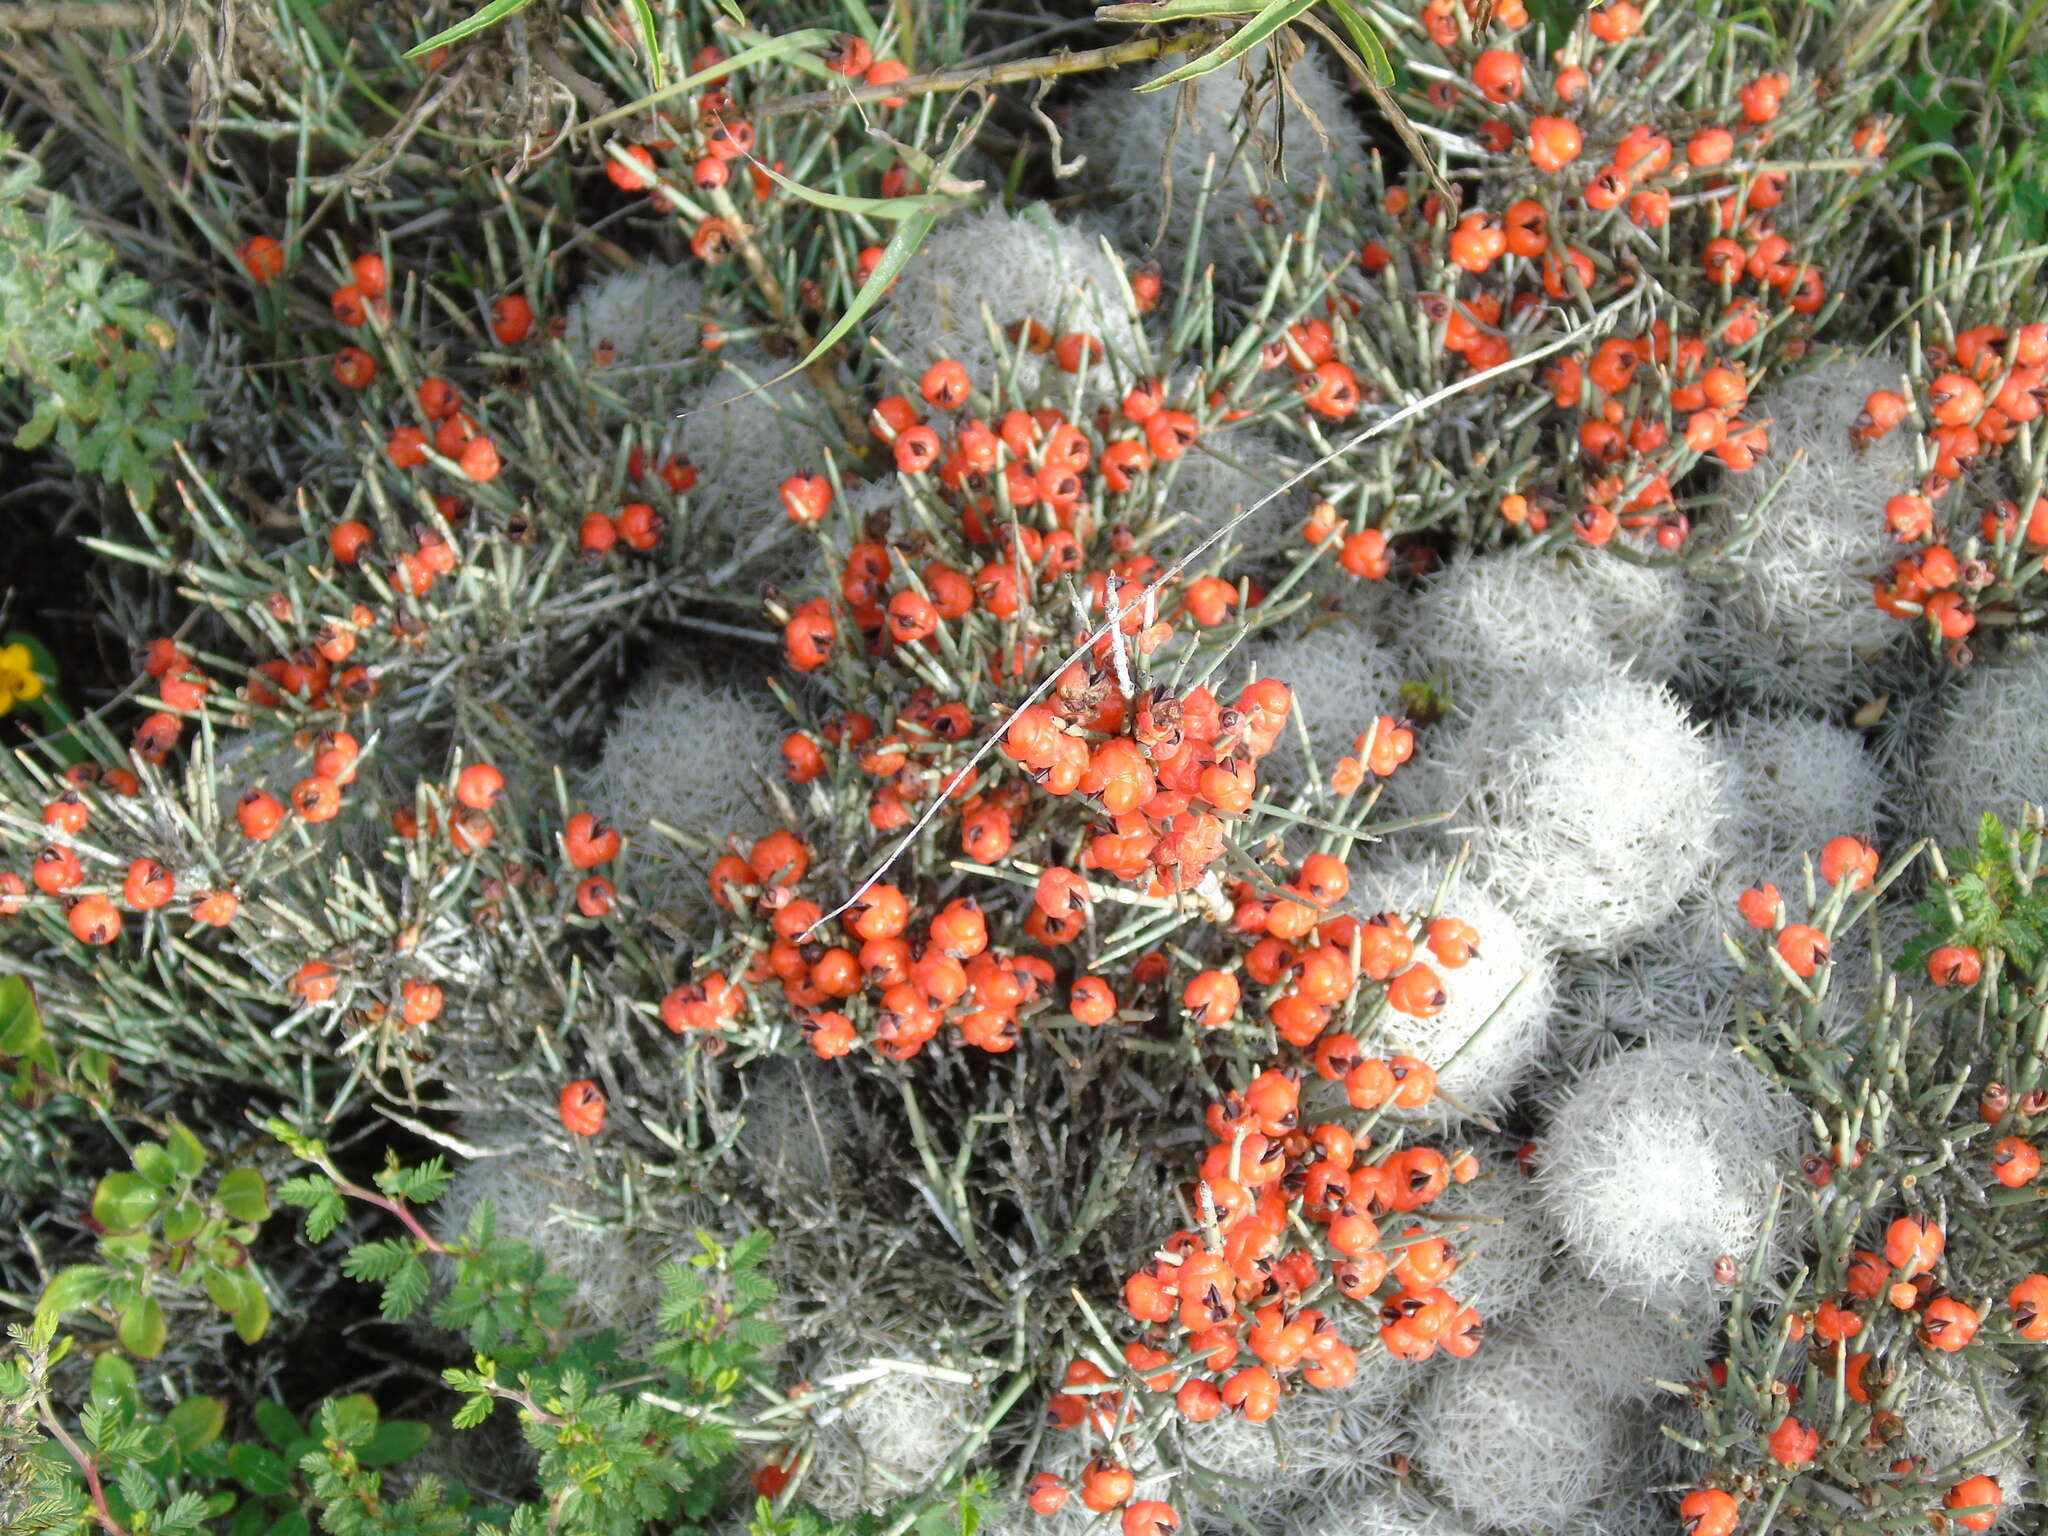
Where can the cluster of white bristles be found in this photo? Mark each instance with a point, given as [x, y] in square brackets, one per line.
[687, 752]
[1238, 134]
[1598, 833]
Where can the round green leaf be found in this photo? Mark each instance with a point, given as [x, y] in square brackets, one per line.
[183, 1221]
[155, 1165]
[242, 1195]
[125, 1201]
[113, 1381]
[396, 1440]
[142, 1329]
[127, 1247]
[70, 1289]
[96, 1067]
[252, 1316]
[260, 1470]
[276, 1424]
[186, 1152]
[223, 1287]
[21, 1022]
[196, 1422]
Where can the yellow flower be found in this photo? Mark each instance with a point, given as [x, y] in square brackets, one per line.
[18, 678]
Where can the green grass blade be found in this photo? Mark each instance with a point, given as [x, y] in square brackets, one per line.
[1239, 43]
[903, 245]
[650, 39]
[910, 234]
[1365, 40]
[493, 13]
[871, 207]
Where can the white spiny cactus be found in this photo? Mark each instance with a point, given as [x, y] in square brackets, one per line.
[1506, 1440]
[1489, 623]
[1341, 677]
[1134, 141]
[1963, 1426]
[1988, 754]
[1593, 804]
[1023, 266]
[1800, 627]
[1494, 1024]
[634, 329]
[1498, 1229]
[1662, 1160]
[681, 753]
[895, 1426]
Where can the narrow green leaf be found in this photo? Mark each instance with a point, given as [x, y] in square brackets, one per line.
[1365, 40]
[896, 256]
[491, 14]
[872, 207]
[803, 42]
[650, 39]
[1242, 41]
[1147, 12]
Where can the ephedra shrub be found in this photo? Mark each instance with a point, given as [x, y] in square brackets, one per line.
[1137, 1105]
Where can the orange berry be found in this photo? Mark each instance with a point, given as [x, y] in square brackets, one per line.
[1804, 949]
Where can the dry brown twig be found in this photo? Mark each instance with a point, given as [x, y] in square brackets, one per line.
[77, 16]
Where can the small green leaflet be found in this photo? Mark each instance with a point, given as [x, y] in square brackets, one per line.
[1997, 914]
